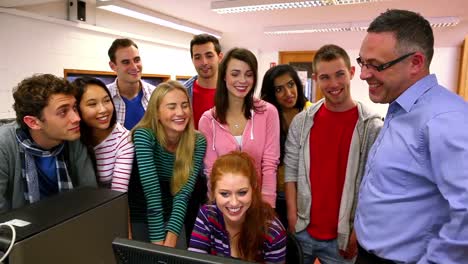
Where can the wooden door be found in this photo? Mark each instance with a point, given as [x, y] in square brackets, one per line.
[302, 61]
[463, 74]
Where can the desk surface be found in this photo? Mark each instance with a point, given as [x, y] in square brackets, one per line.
[53, 210]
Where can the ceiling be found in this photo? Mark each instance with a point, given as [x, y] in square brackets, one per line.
[246, 29]
[15, 3]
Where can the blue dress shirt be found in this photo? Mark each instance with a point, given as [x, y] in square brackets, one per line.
[413, 200]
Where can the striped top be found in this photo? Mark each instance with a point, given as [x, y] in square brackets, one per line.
[114, 159]
[155, 166]
[210, 236]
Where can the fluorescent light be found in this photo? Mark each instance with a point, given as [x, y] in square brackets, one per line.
[239, 6]
[317, 28]
[436, 22]
[137, 12]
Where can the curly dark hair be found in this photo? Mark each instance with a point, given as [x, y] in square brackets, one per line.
[32, 95]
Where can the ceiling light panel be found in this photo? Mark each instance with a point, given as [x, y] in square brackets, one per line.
[240, 6]
[435, 22]
[317, 28]
[127, 9]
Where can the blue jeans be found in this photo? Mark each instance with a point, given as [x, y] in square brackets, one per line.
[325, 250]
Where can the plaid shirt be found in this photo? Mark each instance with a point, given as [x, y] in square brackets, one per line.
[120, 104]
[189, 85]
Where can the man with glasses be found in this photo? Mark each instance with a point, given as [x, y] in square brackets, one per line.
[413, 200]
[325, 155]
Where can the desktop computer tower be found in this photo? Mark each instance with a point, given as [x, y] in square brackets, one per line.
[77, 226]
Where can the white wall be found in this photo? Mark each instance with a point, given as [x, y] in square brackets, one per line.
[445, 64]
[31, 45]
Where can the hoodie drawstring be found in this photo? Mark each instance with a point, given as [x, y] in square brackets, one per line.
[213, 124]
[252, 127]
[214, 133]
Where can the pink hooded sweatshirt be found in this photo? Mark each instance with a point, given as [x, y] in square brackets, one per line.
[260, 140]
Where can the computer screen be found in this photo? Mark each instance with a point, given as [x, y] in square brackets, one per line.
[76, 226]
[136, 252]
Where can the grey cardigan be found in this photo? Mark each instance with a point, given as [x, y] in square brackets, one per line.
[297, 165]
[79, 167]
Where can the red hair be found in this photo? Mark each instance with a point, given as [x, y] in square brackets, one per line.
[259, 214]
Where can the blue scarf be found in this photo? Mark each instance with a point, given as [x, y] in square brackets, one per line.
[28, 150]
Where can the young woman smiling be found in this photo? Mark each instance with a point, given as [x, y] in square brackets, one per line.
[108, 142]
[238, 223]
[169, 154]
[282, 88]
[238, 121]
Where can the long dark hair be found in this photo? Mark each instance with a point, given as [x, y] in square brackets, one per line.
[258, 216]
[268, 94]
[221, 95]
[81, 85]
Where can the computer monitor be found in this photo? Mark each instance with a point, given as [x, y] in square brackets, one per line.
[76, 226]
[136, 252]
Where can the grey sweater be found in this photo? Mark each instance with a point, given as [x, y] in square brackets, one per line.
[79, 167]
[297, 165]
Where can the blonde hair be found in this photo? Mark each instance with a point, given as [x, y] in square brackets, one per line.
[183, 163]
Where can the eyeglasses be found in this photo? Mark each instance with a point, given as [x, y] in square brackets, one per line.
[384, 66]
[279, 88]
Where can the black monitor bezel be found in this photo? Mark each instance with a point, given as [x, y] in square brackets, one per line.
[152, 251]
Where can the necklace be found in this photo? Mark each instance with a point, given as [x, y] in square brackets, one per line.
[236, 126]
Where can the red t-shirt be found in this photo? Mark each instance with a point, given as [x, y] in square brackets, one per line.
[330, 139]
[202, 100]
